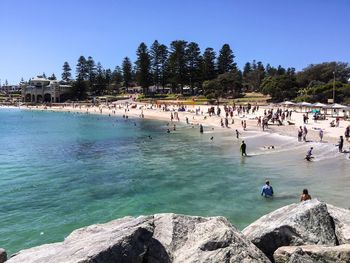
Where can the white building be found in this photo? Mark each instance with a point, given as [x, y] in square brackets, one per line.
[7, 89]
[41, 90]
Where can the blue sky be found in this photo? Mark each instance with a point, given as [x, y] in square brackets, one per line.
[39, 35]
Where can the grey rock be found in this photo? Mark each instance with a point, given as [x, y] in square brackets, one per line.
[160, 238]
[341, 218]
[123, 240]
[296, 224]
[313, 254]
[3, 255]
[198, 239]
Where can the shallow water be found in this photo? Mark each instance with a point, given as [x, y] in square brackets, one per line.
[61, 171]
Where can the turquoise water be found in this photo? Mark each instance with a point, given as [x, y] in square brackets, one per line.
[62, 171]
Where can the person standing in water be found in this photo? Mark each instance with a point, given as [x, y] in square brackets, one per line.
[305, 195]
[320, 133]
[201, 128]
[341, 144]
[243, 149]
[267, 190]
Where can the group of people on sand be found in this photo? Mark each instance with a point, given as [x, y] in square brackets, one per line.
[267, 191]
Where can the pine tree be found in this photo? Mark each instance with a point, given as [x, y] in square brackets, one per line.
[91, 70]
[194, 60]
[208, 65]
[225, 60]
[53, 77]
[127, 72]
[82, 69]
[99, 85]
[163, 64]
[177, 63]
[66, 75]
[155, 62]
[143, 65]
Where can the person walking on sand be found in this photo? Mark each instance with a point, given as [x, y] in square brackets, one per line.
[237, 134]
[320, 133]
[305, 195]
[267, 190]
[243, 149]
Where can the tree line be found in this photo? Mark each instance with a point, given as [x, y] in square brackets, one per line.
[183, 68]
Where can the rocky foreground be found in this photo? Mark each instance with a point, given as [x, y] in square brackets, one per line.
[311, 231]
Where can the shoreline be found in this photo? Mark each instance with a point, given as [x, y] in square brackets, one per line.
[198, 114]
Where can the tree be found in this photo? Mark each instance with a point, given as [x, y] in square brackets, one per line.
[178, 64]
[225, 60]
[44, 75]
[127, 72]
[53, 77]
[324, 72]
[208, 64]
[66, 75]
[163, 64]
[79, 89]
[155, 62]
[108, 78]
[247, 71]
[82, 69]
[91, 70]
[281, 87]
[99, 85]
[228, 84]
[194, 60]
[143, 66]
[117, 75]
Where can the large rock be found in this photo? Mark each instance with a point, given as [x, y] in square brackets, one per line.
[3, 255]
[198, 239]
[296, 224]
[152, 239]
[341, 218]
[313, 254]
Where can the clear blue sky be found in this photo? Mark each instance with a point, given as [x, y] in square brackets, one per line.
[39, 35]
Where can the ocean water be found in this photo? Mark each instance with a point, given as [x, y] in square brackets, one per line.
[62, 171]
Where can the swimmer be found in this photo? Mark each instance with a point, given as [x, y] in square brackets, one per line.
[309, 156]
[272, 147]
[212, 138]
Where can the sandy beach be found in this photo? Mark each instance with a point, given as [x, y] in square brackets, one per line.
[198, 114]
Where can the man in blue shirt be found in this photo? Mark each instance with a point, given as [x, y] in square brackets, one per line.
[267, 190]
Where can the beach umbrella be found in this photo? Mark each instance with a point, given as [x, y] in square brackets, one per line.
[319, 105]
[338, 106]
[305, 104]
[288, 103]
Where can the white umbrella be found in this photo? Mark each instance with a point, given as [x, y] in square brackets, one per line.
[288, 103]
[319, 105]
[338, 106]
[305, 104]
